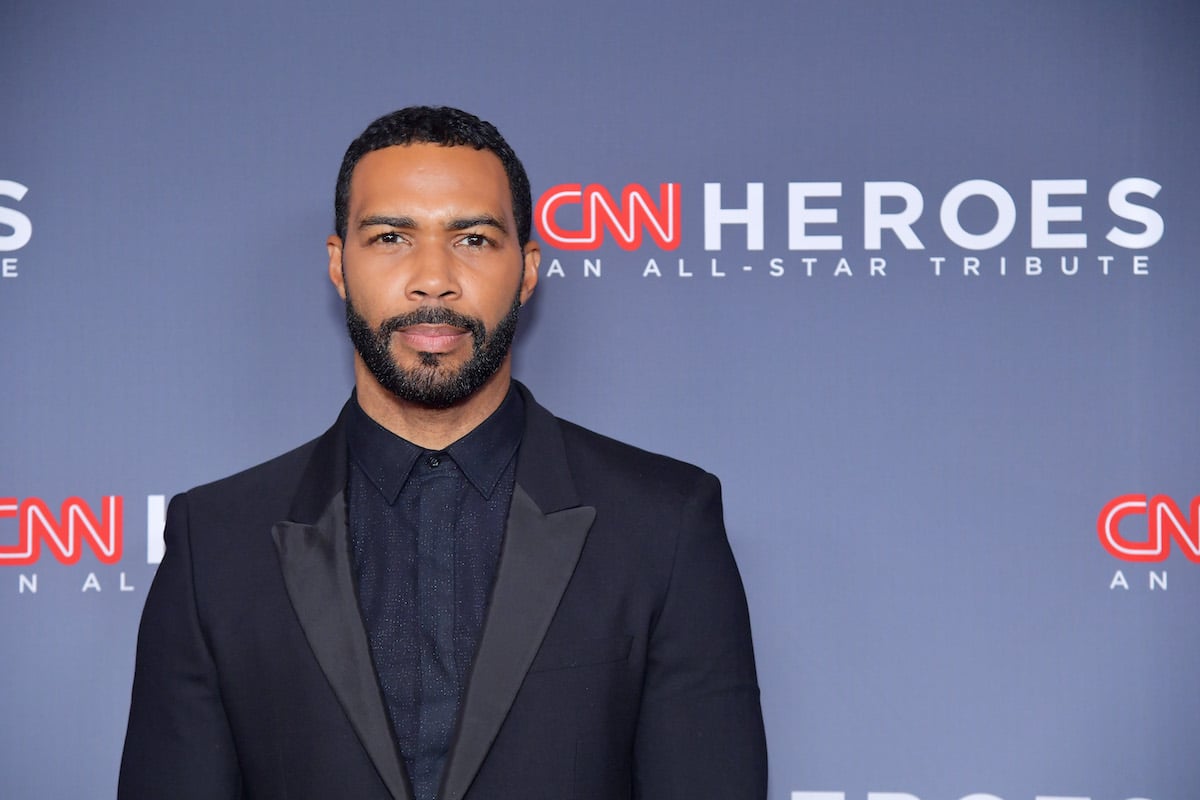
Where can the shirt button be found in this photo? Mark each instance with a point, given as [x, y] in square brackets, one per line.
[433, 462]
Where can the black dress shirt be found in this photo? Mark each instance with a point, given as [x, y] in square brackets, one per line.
[425, 533]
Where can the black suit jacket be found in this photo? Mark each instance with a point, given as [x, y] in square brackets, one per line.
[615, 660]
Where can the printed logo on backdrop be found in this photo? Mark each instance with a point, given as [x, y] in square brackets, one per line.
[79, 535]
[16, 229]
[1140, 530]
[970, 231]
[907, 796]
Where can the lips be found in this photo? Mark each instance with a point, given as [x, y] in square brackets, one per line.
[433, 338]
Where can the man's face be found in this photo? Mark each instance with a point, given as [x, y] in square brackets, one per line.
[431, 270]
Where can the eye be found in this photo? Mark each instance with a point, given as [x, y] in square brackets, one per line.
[387, 237]
[475, 240]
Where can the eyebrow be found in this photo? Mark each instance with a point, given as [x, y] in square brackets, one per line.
[471, 222]
[395, 222]
[461, 224]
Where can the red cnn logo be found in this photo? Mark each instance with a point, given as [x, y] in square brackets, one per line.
[65, 535]
[625, 221]
[1163, 516]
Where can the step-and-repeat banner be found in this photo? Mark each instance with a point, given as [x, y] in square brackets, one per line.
[919, 281]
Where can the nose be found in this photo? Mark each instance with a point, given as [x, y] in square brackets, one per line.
[433, 274]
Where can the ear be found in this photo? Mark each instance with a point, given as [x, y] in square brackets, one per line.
[333, 245]
[532, 258]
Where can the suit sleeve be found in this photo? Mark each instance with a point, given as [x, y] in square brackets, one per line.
[178, 744]
[700, 730]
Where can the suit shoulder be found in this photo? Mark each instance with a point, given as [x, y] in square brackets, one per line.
[280, 473]
[642, 470]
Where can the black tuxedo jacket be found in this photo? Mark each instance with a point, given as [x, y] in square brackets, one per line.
[615, 659]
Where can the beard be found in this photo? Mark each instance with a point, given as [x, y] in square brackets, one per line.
[431, 383]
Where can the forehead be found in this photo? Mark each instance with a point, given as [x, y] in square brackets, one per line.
[429, 176]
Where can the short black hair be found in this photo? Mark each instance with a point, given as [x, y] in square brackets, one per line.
[434, 125]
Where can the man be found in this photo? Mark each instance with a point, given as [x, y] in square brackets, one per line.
[451, 593]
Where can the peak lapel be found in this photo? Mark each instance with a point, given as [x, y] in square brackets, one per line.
[315, 560]
[538, 558]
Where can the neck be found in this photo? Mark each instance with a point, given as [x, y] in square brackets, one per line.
[430, 428]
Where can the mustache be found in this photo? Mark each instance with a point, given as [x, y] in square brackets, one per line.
[433, 315]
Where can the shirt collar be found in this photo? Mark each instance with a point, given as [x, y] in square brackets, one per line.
[482, 455]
